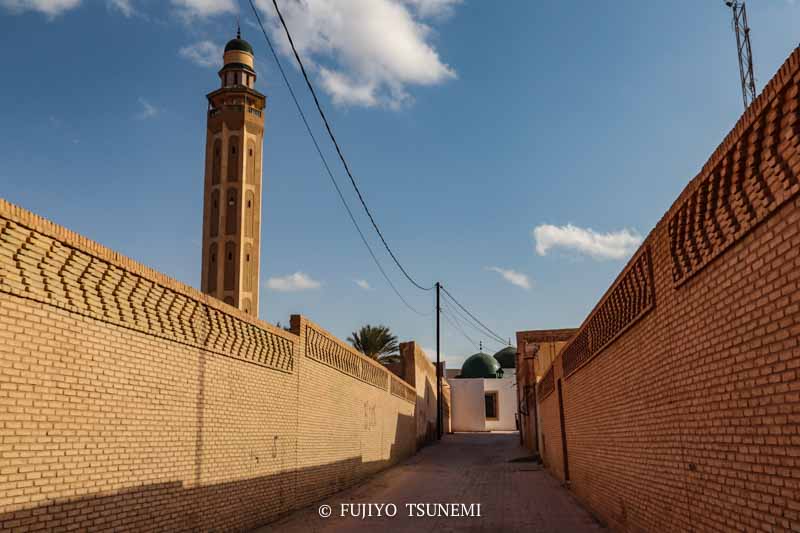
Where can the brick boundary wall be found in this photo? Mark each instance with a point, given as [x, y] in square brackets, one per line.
[680, 396]
[132, 402]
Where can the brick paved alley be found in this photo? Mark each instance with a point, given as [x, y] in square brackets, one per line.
[464, 468]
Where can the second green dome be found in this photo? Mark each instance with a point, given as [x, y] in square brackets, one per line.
[480, 365]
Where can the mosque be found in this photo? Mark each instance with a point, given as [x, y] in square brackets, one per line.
[483, 395]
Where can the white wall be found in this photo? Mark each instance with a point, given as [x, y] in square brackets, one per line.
[468, 411]
[506, 401]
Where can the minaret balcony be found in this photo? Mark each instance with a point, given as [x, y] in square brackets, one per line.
[214, 111]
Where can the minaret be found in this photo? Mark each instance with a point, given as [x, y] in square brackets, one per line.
[232, 197]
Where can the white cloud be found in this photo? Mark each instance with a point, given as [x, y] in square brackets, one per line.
[371, 49]
[148, 110]
[203, 53]
[204, 8]
[123, 6]
[515, 278]
[293, 282]
[433, 8]
[612, 245]
[51, 8]
[364, 284]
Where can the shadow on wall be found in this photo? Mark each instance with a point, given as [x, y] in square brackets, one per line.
[429, 400]
[172, 506]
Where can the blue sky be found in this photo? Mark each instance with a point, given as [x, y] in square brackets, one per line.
[467, 124]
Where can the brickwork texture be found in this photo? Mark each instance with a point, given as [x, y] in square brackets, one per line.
[681, 393]
[131, 402]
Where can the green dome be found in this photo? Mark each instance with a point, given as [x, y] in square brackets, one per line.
[239, 44]
[507, 357]
[480, 365]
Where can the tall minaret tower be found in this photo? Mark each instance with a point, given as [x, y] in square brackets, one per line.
[232, 197]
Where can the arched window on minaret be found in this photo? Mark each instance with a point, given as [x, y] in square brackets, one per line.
[212, 268]
[249, 214]
[233, 158]
[216, 162]
[214, 222]
[231, 211]
[229, 283]
[247, 282]
[251, 161]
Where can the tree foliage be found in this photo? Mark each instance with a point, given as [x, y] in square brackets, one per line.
[376, 342]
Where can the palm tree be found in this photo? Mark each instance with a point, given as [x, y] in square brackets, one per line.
[376, 342]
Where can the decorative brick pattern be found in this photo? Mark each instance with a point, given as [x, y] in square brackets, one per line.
[626, 302]
[331, 352]
[689, 420]
[33, 265]
[546, 385]
[131, 402]
[749, 180]
[403, 390]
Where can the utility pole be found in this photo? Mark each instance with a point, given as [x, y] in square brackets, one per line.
[438, 369]
[742, 31]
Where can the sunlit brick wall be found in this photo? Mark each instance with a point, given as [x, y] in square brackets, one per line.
[681, 390]
[129, 401]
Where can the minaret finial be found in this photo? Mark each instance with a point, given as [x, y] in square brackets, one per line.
[238, 28]
[480, 346]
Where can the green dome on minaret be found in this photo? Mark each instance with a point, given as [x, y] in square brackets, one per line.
[480, 365]
[239, 44]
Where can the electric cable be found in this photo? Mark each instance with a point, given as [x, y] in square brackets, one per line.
[328, 169]
[335, 142]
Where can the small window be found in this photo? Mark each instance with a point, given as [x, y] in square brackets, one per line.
[248, 257]
[248, 203]
[491, 405]
[233, 149]
[251, 152]
[230, 256]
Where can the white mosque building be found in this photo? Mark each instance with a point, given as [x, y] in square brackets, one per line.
[483, 395]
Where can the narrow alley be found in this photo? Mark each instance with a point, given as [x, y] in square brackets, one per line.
[465, 468]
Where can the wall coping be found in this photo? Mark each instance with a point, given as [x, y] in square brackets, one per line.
[789, 70]
[71, 239]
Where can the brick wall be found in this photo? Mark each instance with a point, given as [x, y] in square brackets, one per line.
[536, 350]
[681, 392]
[421, 374]
[129, 401]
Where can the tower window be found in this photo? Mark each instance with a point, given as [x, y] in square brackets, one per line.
[248, 257]
[233, 149]
[248, 203]
[230, 256]
[251, 152]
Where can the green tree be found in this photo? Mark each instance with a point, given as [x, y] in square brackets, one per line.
[376, 342]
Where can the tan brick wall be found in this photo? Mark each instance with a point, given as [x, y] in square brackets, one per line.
[421, 373]
[536, 350]
[681, 390]
[129, 401]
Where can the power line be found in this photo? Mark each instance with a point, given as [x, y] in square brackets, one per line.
[475, 324]
[328, 169]
[457, 327]
[484, 326]
[336, 144]
[456, 313]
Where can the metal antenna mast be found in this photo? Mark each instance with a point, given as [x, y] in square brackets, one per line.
[742, 31]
